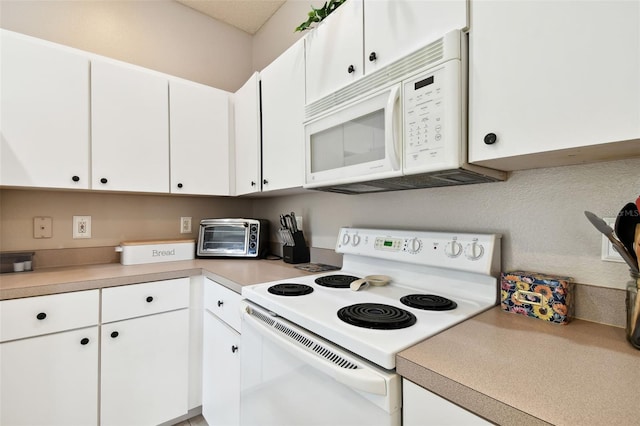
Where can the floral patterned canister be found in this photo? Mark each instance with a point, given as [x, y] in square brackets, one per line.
[536, 295]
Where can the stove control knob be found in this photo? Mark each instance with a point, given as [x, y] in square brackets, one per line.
[453, 249]
[414, 245]
[345, 239]
[355, 240]
[474, 251]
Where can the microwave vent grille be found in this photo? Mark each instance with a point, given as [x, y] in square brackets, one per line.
[392, 73]
[443, 178]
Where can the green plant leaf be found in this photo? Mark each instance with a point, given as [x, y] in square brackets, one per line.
[317, 15]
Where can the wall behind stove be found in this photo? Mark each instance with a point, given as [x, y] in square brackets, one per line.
[538, 212]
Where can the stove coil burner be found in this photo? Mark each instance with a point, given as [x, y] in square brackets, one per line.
[376, 316]
[336, 281]
[290, 289]
[428, 302]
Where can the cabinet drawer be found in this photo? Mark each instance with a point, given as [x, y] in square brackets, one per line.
[33, 316]
[137, 300]
[222, 302]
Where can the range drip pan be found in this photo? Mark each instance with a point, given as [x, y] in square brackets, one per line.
[336, 281]
[290, 289]
[376, 316]
[428, 302]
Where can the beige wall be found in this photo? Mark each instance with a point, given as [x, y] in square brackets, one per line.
[162, 35]
[538, 212]
[277, 34]
[114, 217]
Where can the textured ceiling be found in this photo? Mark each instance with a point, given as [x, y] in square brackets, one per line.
[247, 15]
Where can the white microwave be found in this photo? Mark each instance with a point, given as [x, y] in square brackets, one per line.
[401, 127]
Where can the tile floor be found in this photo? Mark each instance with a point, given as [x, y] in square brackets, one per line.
[193, 421]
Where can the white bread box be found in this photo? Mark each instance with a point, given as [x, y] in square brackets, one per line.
[136, 252]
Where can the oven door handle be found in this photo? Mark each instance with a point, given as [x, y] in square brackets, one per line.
[361, 378]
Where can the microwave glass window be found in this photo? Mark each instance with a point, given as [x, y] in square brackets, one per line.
[358, 141]
[225, 238]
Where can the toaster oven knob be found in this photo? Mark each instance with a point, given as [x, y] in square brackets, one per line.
[453, 249]
[474, 251]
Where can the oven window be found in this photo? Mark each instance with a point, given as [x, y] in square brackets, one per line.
[357, 141]
[224, 238]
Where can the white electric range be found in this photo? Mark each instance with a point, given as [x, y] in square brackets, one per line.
[437, 279]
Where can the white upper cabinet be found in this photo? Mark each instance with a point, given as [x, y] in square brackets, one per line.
[334, 51]
[395, 28]
[362, 36]
[44, 114]
[199, 139]
[282, 117]
[130, 128]
[553, 83]
[246, 103]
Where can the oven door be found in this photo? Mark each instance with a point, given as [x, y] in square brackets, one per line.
[223, 239]
[292, 377]
[358, 142]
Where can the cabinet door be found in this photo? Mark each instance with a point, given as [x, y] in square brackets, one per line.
[549, 76]
[247, 137]
[220, 373]
[332, 49]
[282, 117]
[130, 129]
[395, 28]
[144, 369]
[199, 117]
[50, 380]
[419, 404]
[44, 114]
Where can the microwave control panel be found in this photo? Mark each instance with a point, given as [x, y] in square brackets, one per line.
[434, 112]
[425, 129]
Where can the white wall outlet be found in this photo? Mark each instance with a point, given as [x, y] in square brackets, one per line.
[185, 225]
[82, 227]
[299, 223]
[42, 227]
[609, 254]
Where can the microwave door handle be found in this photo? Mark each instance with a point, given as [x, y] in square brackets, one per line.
[390, 126]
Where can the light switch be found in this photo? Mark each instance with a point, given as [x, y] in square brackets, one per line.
[42, 227]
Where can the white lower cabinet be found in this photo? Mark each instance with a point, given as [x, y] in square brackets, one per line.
[49, 360]
[50, 380]
[220, 372]
[422, 408]
[220, 356]
[144, 369]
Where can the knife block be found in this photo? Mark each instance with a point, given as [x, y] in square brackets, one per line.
[297, 253]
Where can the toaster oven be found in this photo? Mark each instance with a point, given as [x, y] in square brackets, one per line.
[233, 238]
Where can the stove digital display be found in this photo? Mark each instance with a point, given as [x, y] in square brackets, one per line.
[387, 243]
